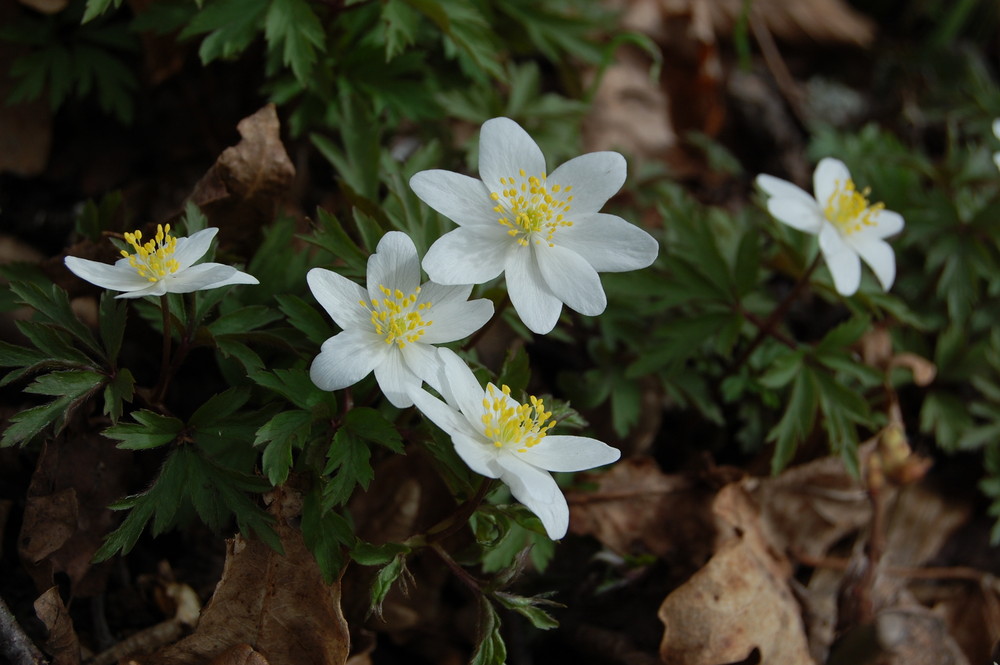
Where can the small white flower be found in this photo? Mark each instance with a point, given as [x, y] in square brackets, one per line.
[390, 326]
[543, 229]
[996, 155]
[847, 225]
[500, 438]
[164, 264]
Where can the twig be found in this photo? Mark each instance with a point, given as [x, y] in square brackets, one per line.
[16, 648]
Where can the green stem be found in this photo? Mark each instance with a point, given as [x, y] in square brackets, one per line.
[768, 327]
[161, 385]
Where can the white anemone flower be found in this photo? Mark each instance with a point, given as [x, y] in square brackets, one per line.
[499, 437]
[996, 133]
[543, 229]
[390, 326]
[163, 264]
[849, 227]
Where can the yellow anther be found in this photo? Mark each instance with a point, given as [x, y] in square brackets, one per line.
[152, 260]
[849, 210]
[522, 425]
[396, 318]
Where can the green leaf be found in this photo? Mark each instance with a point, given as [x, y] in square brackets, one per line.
[243, 320]
[491, 649]
[368, 554]
[26, 424]
[529, 608]
[219, 407]
[121, 388]
[53, 341]
[96, 218]
[12, 355]
[71, 383]
[515, 371]
[370, 425]
[113, 315]
[231, 348]
[348, 459]
[327, 535]
[97, 7]
[384, 580]
[231, 24]
[797, 422]
[305, 318]
[783, 369]
[292, 25]
[331, 235]
[282, 433]
[296, 386]
[53, 305]
[150, 430]
[845, 334]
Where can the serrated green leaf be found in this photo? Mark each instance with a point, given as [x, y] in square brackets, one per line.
[384, 580]
[845, 334]
[219, 407]
[121, 388]
[305, 318]
[53, 306]
[297, 387]
[12, 355]
[231, 26]
[399, 27]
[149, 430]
[515, 370]
[70, 383]
[97, 7]
[282, 433]
[797, 421]
[529, 608]
[370, 425]
[28, 423]
[348, 461]
[331, 235]
[326, 534]
[368, 554]
[783, 369]
[243, 320]
[292, 26]
[491, 649]
[230, 347]
[53, 341]
[113, 313]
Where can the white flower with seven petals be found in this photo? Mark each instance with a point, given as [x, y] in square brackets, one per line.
[390, 326]
[543, 229]
[163, 264]
[500, 438]
[848, 226]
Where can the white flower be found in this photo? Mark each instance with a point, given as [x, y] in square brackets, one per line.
[501, 438]
[160, 266]
[542, 229]
[390, 326]
[847, 225]
[996, 133]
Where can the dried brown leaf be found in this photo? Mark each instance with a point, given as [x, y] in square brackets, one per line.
[242, 190]
[241, 654]
[730, 608]
[46, 6]
[278, 604]
[61, 643]
[66, 516]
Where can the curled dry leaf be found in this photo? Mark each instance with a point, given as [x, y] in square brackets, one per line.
[278, 604]
[637, 509]
[241, 654]
[242, 190]
[61, 643]
[66, 516]
[730, 608]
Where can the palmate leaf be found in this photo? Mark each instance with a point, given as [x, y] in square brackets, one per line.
[327, 535]
[230, 26]
[797, 422]
[292, 26]
[52, 305]
[71, 389]
[284, 432]
[348, 458]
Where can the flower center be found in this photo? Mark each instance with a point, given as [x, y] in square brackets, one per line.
[529, 208]
[848, 208]
[523, 425]
[152, 260]
[395, 318]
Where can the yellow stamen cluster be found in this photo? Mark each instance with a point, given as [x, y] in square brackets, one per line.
[395, 318]
[848, 208]
[523, 425]
[527, 206]
[152, 260]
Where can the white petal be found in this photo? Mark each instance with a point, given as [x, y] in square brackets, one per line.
[608, 243]
[340, 297]
[439, 413]
[996, 159]
[455, 320]
[843, 262]
[880, 258]
[116, 278]
[594, 177]
[887, 223]
[468, 255]
[394, 265]
[478, 454]
[440, 294]
[192, 248]
[537, 306]
[830, 174]
[395, 379]
[155, 289]
[570, 453]
[538, 492]
[458, 197]
[346, 358]
[504, 150]
[996, 128]
[803, 216]
[782, 189]
[571, 279]
[202, 277]
[463, 388]
[424, 361]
